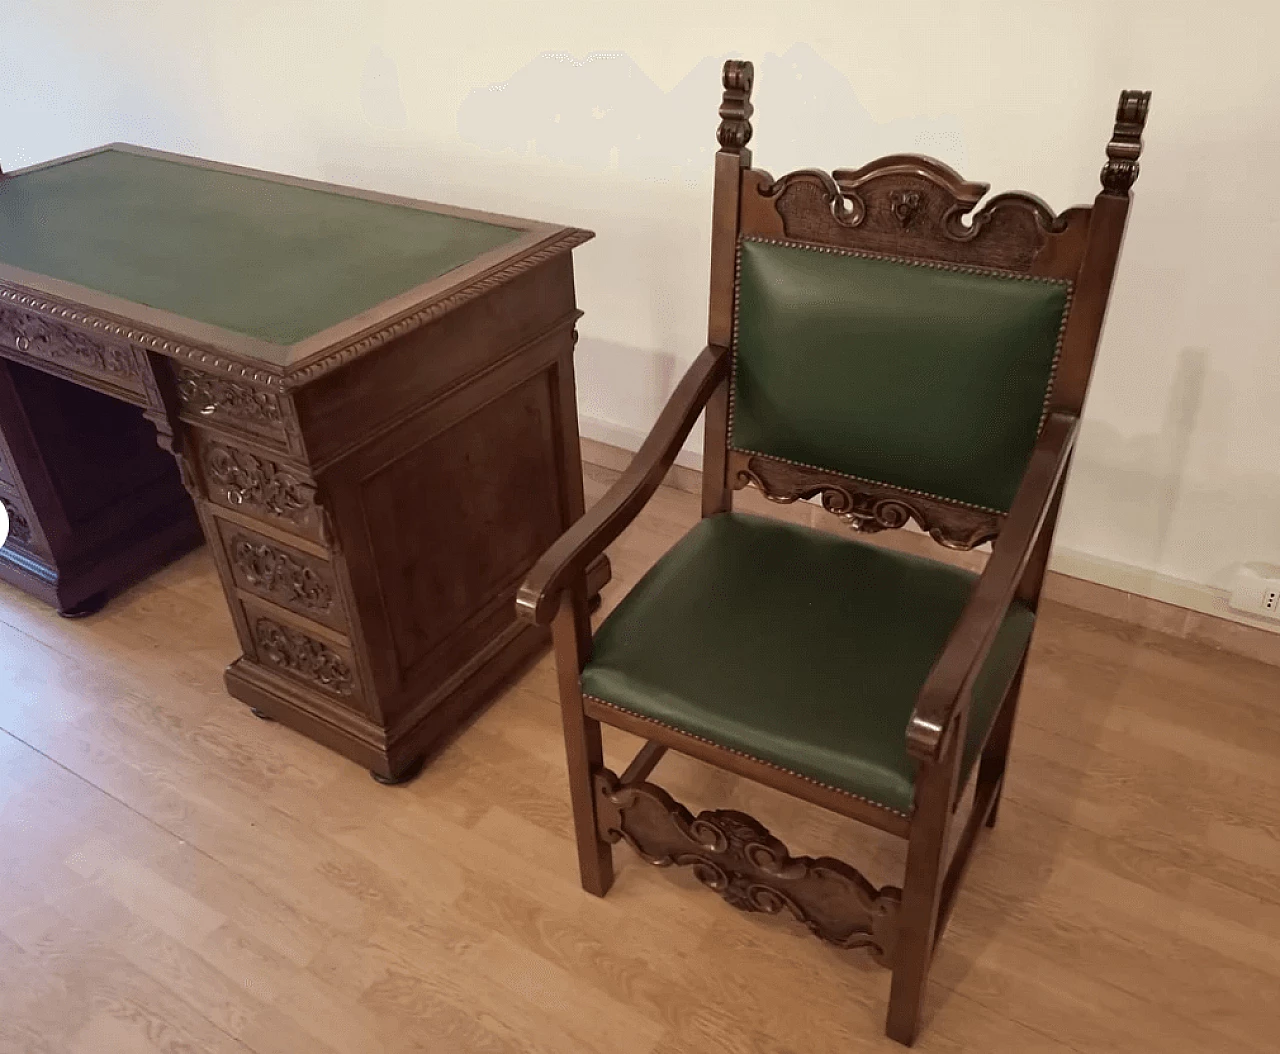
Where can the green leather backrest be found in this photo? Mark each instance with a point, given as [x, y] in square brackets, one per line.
[932, 378]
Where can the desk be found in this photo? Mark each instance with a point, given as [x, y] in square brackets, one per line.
[370, 406]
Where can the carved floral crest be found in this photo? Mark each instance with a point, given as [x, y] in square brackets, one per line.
[910, 205]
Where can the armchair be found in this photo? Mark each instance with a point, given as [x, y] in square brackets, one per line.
[870, 347]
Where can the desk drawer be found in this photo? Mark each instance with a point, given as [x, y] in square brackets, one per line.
[101, 362]
[309, 656]
[260, 486]
[206, 399]
[267, 568]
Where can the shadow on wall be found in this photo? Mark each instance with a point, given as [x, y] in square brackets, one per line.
[380, 96]
[1143, 481]
[605, 367]
[1138, 480]
[604, 112]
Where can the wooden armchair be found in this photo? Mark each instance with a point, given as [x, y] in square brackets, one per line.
[871, 346]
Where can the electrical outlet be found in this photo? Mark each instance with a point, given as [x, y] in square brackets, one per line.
[1257, 592]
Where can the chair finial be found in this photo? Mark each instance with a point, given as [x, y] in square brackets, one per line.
[1121, 170]
[736, 109]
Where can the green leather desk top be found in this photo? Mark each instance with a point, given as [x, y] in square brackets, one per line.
[266, 259]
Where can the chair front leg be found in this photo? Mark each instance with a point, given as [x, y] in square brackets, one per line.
[922, 892]
[584, 752]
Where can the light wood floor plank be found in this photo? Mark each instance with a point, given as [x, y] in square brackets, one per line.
[176, 875]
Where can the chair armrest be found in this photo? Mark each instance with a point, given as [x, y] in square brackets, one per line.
[569, 555]
[971, 638]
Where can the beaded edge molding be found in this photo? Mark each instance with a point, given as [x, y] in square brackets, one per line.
[331, 360]
[327, 361]
[47, 307]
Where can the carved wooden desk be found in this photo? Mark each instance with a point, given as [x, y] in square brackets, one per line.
[371, 403]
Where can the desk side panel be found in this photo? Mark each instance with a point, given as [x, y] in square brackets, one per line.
[381, 390]
[441, 513]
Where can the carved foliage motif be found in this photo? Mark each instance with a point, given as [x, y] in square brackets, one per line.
[258, 484]
[54, 342]
[733, 854]
[906, 205]
[19, 526]
[1121, 169]
[302, 656]
[734, 132]
[280, 574]
[208, 395]
[870, 507]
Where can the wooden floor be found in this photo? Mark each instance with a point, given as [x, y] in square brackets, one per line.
[176, 876]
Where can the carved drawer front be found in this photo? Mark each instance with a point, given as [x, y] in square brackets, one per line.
[233, 405]
[260, 486]
[303, 655]
[42, 340]
[295, 580]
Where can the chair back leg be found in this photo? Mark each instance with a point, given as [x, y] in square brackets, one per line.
[584, 752]
[995, 755]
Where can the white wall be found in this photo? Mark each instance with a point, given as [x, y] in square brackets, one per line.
[603, 114]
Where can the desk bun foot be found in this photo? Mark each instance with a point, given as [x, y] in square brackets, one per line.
[406, 774]
[89, 606]
[261, 715]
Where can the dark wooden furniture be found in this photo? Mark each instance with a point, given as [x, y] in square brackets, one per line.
[872, 344]
[371, 405]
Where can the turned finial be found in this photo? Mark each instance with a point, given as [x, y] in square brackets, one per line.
[1121, 169]
[736, 109]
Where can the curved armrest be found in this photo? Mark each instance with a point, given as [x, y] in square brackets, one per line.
[971, 638]
[539, 595]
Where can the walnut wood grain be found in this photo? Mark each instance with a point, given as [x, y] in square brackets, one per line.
[902, 205]
[732, 160]
[736, 110]
[734, 855]
[211, 348]
[1125, 148]
[343, 481]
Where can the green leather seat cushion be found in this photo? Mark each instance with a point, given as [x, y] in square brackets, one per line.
[928, 378]
[262, 258]
[796, 647]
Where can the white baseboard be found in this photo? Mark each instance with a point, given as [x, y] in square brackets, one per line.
[1153, 585]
